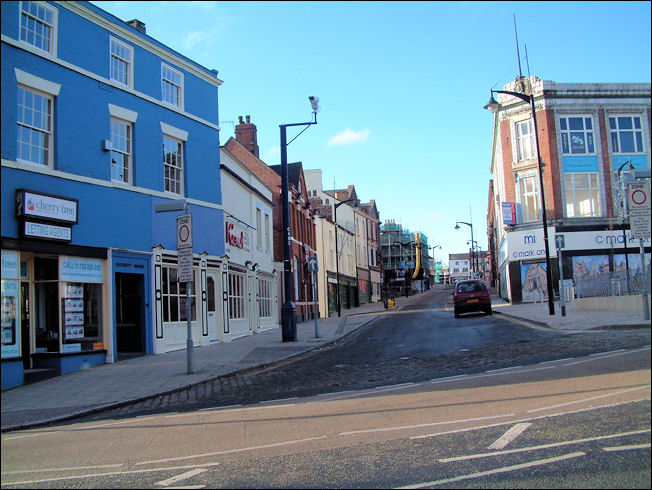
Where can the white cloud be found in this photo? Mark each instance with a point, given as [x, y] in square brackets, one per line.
[348, 137]
[191, 39]
[271, 155]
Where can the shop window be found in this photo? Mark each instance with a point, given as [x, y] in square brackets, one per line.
[265, 297]
[82, 315]
[237, 292]
[174, 297]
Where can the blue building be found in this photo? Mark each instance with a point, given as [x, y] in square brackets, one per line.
[100, 123]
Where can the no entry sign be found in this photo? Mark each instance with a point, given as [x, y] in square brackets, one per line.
[184, 231]
[638, 200]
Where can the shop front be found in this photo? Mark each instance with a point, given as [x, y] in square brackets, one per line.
[55, 315]
[584, 253]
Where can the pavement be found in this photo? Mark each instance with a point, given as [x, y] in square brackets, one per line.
[95, 389]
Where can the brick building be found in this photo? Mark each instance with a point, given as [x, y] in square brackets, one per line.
[302, 228]
[590, 134]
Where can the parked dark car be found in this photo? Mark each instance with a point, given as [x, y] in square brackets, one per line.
[471, 295]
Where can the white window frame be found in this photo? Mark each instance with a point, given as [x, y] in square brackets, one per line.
[571, 190]
[126, 151]
[167, 82]
[259, 229]
[525, 143]
[47, 132]
[638, 142]
[168, 179]
[237, 294]
[529, 196]
[267, 223]
[567, 134]
[129, 63]
[23, 13]
[265, 297]
[175, 292]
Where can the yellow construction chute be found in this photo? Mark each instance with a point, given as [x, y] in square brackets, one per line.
[418, 263]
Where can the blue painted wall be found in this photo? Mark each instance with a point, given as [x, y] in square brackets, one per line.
[110, 216]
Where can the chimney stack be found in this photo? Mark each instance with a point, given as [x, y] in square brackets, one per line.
[247, 135]
[137, 24]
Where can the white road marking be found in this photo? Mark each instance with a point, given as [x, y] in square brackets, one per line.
[450, 378]
[230, 451]
[183, 476]
[92, 475]
[542, 446]
[558, 360]
[608, 352]
[219, 408]
[431, 424]
[89, 427]
[502, 369]
[504, 469]
[70, 468]
[626, 448]
[547, 416]
[588, 399]
[510, 435]
[616, 353]
[280, 400]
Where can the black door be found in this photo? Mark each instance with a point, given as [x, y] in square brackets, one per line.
[24, 325]
[129, 315]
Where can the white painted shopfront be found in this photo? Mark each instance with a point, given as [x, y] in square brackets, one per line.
[249, 283]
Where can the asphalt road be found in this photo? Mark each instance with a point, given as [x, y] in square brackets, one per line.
[418, 343]
[571, 423]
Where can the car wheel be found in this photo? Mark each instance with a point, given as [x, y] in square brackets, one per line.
[488, 311]
[457, 313]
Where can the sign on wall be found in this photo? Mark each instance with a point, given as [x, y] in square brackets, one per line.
[510, 216]
[638, 200]
[46, 206]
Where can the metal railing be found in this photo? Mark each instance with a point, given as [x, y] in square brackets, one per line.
[618, 283]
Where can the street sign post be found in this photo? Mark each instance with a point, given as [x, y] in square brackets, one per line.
[184, 262]
[560, 242]
[638, 202]
[184, 248]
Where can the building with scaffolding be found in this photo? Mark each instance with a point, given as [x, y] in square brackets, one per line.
[405, 259]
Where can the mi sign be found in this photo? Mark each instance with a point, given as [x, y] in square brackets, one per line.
[528, 244]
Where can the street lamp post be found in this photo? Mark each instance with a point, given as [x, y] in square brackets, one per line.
[475, 248]
[493, 106]
[337, 259]
[457, 227]
[288, 310]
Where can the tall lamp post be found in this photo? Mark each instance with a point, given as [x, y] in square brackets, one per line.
[493, 106]
[475, 248]
[337, 259]
[457, 227]
[288, 310]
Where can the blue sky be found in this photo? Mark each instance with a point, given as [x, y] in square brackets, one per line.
[401, 85]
